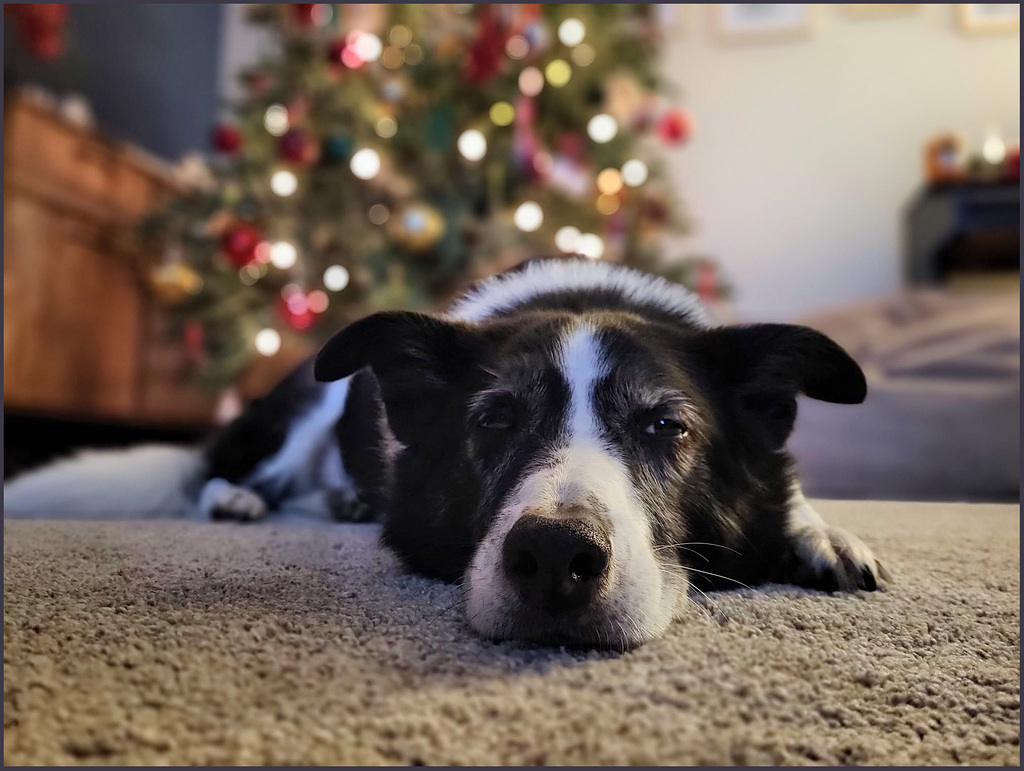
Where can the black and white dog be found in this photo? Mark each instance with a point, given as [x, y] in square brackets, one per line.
[574, 440]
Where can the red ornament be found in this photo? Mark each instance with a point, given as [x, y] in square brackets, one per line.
[227, 138]
[1011, 168]
[295, 147]
[486, 55]
[336, 51]
[41, 27]
[675, 127]
[305, 14]
[239, 244]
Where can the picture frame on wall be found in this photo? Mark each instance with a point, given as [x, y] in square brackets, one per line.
[872, 10]
[987, 18]
[754, 22]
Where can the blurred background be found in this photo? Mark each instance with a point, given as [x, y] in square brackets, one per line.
[196, 196]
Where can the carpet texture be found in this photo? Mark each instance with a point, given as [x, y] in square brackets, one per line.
[185, 643]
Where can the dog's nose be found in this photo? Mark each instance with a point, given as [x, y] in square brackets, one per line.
[556, 565]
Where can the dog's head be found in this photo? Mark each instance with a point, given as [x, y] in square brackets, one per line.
[563, 461]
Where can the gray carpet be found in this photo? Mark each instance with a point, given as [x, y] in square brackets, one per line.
[184, 643]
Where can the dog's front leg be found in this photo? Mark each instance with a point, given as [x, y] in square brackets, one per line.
[219, 499]
[827, 557]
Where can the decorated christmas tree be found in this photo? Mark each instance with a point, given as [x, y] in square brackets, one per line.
[386, 156]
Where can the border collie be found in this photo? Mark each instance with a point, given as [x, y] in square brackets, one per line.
[573, 440]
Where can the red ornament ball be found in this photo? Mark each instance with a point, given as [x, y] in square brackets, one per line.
[295, 146]
[305, 14]
[675, 127]
[1012, 164]
[239, 244]
[227, 138]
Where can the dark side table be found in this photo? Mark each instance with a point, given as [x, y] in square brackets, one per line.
[961, 225]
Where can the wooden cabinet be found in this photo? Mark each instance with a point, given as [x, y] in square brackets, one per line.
[82, 336]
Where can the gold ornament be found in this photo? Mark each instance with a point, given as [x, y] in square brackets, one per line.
[172, 282]
[623, 98]
[417, 227]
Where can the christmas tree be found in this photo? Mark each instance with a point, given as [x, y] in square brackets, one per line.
[386, 156]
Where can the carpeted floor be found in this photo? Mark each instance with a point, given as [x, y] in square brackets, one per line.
[184, 643]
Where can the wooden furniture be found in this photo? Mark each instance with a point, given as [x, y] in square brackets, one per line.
[962, 225]
[82, 336]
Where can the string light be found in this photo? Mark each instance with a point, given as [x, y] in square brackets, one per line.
[283, 255]
[590, 245]
[386, 127]
[472, 145]
[289, 289]
[275, 120]
[517, 47]
[609, 181]
[248, 274]
[571, 32]
[268, 341]
[392, 58]
[607, 204]
[634, 172]
[566, 237]
[543, 163]
[378, 214]
[283, 183]
[413, 54]
[336, 278]
[297, 303]
[365, 163]
[400, 36]
[558, 72]
[367, 46]
[528, 216]
[317, 301]
[602, 128]
[531, 81]
[502, 114]
[583, 55]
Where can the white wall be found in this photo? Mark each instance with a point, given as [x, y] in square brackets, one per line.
[806, 151]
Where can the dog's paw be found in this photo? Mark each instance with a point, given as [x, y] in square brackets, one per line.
[347, 505]
[221, 500]
[831, 559]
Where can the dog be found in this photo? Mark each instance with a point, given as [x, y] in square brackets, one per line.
[573, 440]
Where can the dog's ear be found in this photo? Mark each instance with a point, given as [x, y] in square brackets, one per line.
[397, 344]
[768, 365]
[420, 362]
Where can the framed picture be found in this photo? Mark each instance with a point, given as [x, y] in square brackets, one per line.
[982, 18]
[762, 21]
[871, 10]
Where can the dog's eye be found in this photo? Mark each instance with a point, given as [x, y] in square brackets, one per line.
[498, 419]
[665, 427]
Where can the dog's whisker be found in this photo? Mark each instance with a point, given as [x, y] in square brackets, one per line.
[719, 575]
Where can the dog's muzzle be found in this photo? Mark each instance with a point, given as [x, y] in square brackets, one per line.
[558, 567]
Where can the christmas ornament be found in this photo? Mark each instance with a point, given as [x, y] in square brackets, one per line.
[239, 244]
[305, 14]
[296, 147]
[1012, 164]
[336, 148]
[173, 281]
[417, 227]
[675, 127]
[227, 138]
[485, 57]
[40, 28]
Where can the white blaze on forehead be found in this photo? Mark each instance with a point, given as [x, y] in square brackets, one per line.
[584, 470]
[582, 364]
